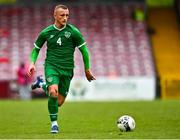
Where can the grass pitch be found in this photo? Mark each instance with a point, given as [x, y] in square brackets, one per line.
[85, 120]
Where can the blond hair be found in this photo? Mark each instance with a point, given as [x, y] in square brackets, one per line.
[60, 6]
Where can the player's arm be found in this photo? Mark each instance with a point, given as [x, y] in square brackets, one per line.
[81, 44]
[35, 52]
[86, 59]
[33, 58]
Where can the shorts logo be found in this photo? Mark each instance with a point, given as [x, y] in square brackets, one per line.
[67, 34]
[49, 79]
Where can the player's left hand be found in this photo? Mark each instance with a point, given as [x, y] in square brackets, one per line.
[89, 76]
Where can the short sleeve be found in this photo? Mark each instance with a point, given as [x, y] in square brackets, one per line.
[40, 40]
[78, 38]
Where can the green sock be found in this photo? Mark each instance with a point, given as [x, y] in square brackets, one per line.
[53, 108]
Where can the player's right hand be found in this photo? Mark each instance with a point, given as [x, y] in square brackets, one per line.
[31, 70]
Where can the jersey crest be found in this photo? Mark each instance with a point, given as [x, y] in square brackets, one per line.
[67, 34]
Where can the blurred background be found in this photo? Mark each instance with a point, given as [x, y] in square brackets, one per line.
[134, 47]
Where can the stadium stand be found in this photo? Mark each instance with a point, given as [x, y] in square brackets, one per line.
[119, 45]
[167, 50]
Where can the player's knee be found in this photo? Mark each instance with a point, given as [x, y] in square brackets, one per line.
[53, 92]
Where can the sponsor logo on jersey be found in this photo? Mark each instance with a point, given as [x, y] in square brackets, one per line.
[51, 36]
[67, 34]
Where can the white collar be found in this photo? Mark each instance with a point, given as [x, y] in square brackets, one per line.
[58, 28]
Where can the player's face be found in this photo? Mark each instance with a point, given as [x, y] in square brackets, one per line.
[61, 16]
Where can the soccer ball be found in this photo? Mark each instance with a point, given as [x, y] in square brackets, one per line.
[126, 123]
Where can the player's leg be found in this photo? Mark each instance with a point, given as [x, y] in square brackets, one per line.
[52, 82]
[55, 100]
[53, 107]
[38, 83]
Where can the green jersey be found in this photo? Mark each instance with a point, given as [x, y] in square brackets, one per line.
[61, 44]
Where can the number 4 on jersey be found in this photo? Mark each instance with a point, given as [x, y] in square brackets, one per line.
[59, 41]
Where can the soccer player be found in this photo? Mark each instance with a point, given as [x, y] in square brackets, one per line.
[61, 39]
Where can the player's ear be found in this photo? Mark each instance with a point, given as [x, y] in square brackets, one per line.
[54, 14]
